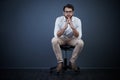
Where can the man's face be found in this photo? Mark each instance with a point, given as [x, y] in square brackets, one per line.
[68, 12]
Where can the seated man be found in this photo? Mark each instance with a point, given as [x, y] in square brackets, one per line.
[67, 31]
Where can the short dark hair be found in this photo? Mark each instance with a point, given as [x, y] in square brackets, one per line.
[68, 6]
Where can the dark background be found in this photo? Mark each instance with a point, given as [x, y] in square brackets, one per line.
[26, 30]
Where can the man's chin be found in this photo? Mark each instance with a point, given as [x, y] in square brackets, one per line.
[68, 17]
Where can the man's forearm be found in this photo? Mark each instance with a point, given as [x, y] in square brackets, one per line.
[75, 32]
[60, 32]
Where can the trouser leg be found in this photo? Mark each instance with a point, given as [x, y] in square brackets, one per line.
[56, 42]
[78, 43]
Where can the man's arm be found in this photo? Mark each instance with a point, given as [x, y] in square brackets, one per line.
[75, 32]
[61, 31]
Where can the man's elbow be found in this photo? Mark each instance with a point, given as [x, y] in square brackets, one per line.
[76, 35]
[58, 35]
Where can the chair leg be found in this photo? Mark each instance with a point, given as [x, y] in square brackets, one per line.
[65, 61]
[65, 65]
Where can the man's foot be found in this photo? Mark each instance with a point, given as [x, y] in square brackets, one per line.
[59, 67]
[73, 66]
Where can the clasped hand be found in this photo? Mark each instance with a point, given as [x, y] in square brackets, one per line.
[70, 23]
[68, 20]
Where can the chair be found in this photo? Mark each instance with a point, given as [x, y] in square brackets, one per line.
[64, 48]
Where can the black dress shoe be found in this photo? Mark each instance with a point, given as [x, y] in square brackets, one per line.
[74, 67]
[59, 67]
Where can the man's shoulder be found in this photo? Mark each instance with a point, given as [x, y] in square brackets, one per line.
[60, 17]
[76, 18]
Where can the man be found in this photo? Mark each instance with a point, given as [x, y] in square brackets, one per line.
[67, 31]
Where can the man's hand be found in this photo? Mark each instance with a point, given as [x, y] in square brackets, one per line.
[75, 32]
[68, 20]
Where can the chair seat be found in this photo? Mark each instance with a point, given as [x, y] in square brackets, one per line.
[66, 47]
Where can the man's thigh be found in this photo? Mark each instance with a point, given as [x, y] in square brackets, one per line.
[59, 40]
[74, 41]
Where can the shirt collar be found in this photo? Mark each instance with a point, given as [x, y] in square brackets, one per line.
[65, 18]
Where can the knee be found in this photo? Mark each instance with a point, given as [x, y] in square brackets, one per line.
[80, 43]
[54, 40]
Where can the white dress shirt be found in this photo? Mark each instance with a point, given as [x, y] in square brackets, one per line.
[60, 23]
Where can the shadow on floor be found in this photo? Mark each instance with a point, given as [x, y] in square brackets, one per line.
[40, 74]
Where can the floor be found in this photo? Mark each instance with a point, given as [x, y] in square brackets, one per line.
[44, 74]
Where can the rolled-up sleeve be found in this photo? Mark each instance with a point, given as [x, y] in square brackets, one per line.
[79, 28]
[56, 29]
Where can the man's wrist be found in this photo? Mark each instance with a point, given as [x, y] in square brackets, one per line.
[73, 28]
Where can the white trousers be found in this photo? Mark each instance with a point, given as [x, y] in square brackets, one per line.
[56, 42]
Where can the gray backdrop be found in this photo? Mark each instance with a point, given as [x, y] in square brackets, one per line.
[26, 29]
